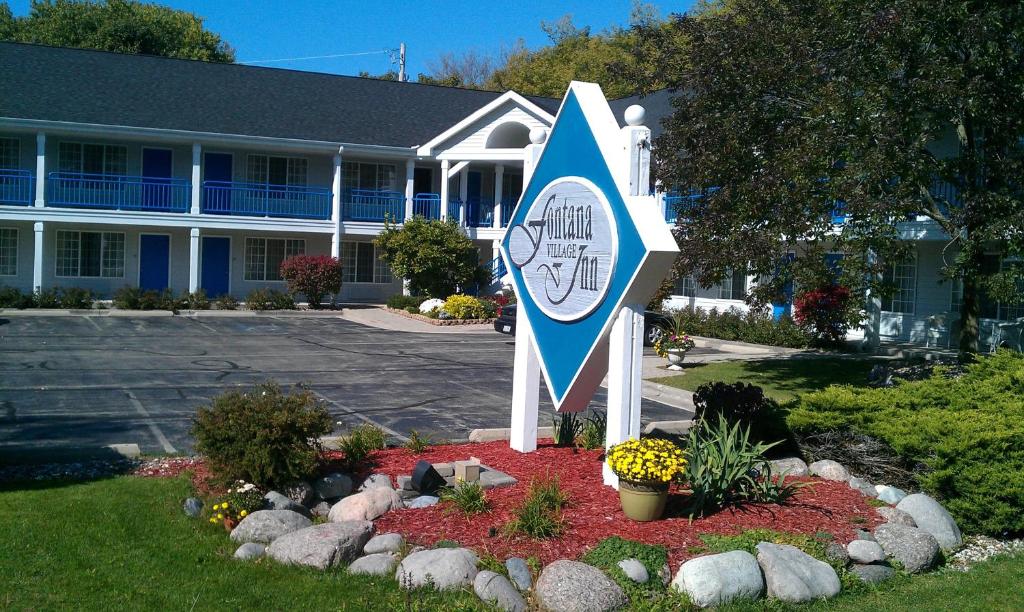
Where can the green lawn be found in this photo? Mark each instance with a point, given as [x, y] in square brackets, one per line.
[781, 379]
[124, 543]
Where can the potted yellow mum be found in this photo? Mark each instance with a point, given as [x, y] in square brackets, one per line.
[645, 468]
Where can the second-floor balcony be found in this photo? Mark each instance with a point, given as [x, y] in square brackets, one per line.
[118, 192]
[16, 187]
[373, 205]
[262, 200]
[427, 205]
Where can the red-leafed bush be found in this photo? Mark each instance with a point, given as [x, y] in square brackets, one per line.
[826, 312]
[313, 276]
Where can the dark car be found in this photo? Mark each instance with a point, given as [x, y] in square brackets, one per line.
[655, 323]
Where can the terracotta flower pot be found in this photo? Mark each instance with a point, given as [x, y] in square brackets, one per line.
[229, 524]
[643, 501]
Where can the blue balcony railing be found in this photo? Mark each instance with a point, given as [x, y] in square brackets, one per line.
[260, 200]
[16, 187]
[480, 212]
[427, 205]
[373, 205]
[454, 209]
[497, 269]
[117, 192]
[507, 206]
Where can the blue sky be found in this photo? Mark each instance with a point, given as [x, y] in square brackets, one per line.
[261, 29]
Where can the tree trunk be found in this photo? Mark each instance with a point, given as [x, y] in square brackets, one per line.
[970, 309]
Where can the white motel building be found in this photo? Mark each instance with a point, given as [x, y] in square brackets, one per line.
[123, 170]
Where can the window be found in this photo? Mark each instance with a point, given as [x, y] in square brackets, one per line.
[267, 170]
[902, 276]
[263, 256]
[686, 286]
[92, 158]
[734, 285]
[988, 307]
[90, 254]
[358, 175]
[8, 251]
[361, 264]
[10, 148]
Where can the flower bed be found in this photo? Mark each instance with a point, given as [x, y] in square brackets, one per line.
[440, 322]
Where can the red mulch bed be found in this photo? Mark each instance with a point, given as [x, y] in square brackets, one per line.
[594, 513]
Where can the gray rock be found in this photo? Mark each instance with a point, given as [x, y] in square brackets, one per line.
[422, 501]
[715, 580]
[442, 568]
[899, 517]
[634, 570]
[495, 589]
[890, 495]
[193, 506]
[321, 509]
[863, 534]
[404, 483]
[866, 488]
[444, 470]
[385, 542]
[829, 470]
[915, 549]
[665, 574]
[571, 586]
[250, 551]
[865, 552]
[493, 479]
[322, 546]
[276, 501]
[300, 492]
[790, 466]
[265, 526]
[933, 518]
[519, 572]
[376, 481]
[793, 576]
[836, 553]
[872, 574]
[377, 564]
[333, 486]
[365, 506]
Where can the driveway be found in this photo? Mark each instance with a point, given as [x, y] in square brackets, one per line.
[86, 381]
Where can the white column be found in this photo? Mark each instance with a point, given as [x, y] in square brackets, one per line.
[445, 165]
[336, 207]
[410, 172]
[193, 260]
[463, 193]
[499, 177]
[873, 308]
[532, 152]
[625, 364]
[197, 177]
[40, 169]
[37, 261]
[525, 390]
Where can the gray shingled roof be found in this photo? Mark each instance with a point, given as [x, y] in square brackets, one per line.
[85, 86]
[658, 105]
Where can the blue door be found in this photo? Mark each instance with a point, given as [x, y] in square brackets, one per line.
[216, 268]
[782, 306]
[154, 261]
[474, 216]
[217, 183]
[156, 174]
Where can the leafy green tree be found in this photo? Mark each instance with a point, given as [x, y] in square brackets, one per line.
[436, 257]
[124, 26]
[789, 108]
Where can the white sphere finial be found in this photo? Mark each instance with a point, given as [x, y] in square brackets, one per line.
[538, 135]
[635, 115]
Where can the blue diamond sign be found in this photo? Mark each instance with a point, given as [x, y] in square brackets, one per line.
[579, 247]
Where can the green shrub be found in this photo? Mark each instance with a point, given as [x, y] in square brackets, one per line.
[314, 276]
[741, 403]
[46, 298]
[226, 301]
[11, 297]
[468, 498]
[404, 302]
[464, 307]
[358, 443]
[76, 298]
[610, 551]
[412, 310]
[195, 300]
[540, 514]
[756, 326]
[269, 299]
[127, 298]
[417, 442]
[566, 426]
[969, 431]
[594, 430]
[263, 436]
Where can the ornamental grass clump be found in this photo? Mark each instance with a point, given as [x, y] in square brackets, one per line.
[647, 461]
[540, 514]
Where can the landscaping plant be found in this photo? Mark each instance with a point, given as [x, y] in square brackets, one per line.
[435, 256]
[417, 442]
[740, 403]
[756, 326]
[404, 302]
[76, 298]
[565, 427]
[314, 276]
[239, 501]
[195, 300]
[264, 435]
[46, 298]
[468, 498]
[360, 442]
[646, 461]
[465, 307]
[540, 514]
[11, 297]
[826, 313]
[593, 430]
[226, 301]
[269, 299]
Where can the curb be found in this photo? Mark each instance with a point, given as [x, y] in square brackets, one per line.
[504, 433]
[29, 456]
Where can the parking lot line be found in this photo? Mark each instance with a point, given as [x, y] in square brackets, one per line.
[153, 427]
[361, 417]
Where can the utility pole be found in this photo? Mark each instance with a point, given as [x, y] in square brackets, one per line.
[401, 63]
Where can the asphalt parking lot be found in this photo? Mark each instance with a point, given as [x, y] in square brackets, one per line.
[86, 381]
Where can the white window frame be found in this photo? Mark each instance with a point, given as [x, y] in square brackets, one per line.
[106, 243]
[5, 234]
[687, 286]
[291, 247]
[81, 157]
[10, 147]
[727, 288]
[351, 175]
[382, 274]
[292, 170]
[905, 284]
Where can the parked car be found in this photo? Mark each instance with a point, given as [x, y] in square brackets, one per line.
[655, 323]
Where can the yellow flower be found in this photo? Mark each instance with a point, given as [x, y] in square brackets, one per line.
[220, 516]
[213, 520]
[242, 513]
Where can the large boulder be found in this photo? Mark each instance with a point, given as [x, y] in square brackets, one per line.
[385, 542]
[333, 486]
[872, 574]
[377, 564]
[890, 495]
[571, 586]
[495, 589]
[322, 546]
[916, 549]
[376, 481]
[715, 580]
[442, 568]
[829, 470]
[250, 551]
[276, 501]
[899, 517]
[865, 551]
[365, 506]
[793, 576]
[265, 526]
[790, 466]
[866, 488]
[933, 518]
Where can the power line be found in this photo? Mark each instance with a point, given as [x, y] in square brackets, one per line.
[311, 57]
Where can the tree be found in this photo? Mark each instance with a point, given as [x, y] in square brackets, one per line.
[787, 110]
[470, 69]
[436, 257]
[124, 26]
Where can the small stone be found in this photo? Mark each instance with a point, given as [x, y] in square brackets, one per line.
[916, 549]
[829, 470]
[193, 507]
[890, 495]
[377, 564]
[793, 576]
[863, 534]
[493, 479]
[865, 552]
[898, 517]
[265, 526]
[276, 501]
[836, 553]
[322, 546]
[385, 542]
[250, 551]
[300, 492]
[866, 488]
[333, 486]
[321, 509]
[872, 574]
[519, 572]
[404, 483]
[442, 568]
[715, 580]
[578, 587]
[634, 570]
[365, 506]
[444, 469]
[376, 481]
[495, 589]
[423, 501]
[790, 466]
[933, 518]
